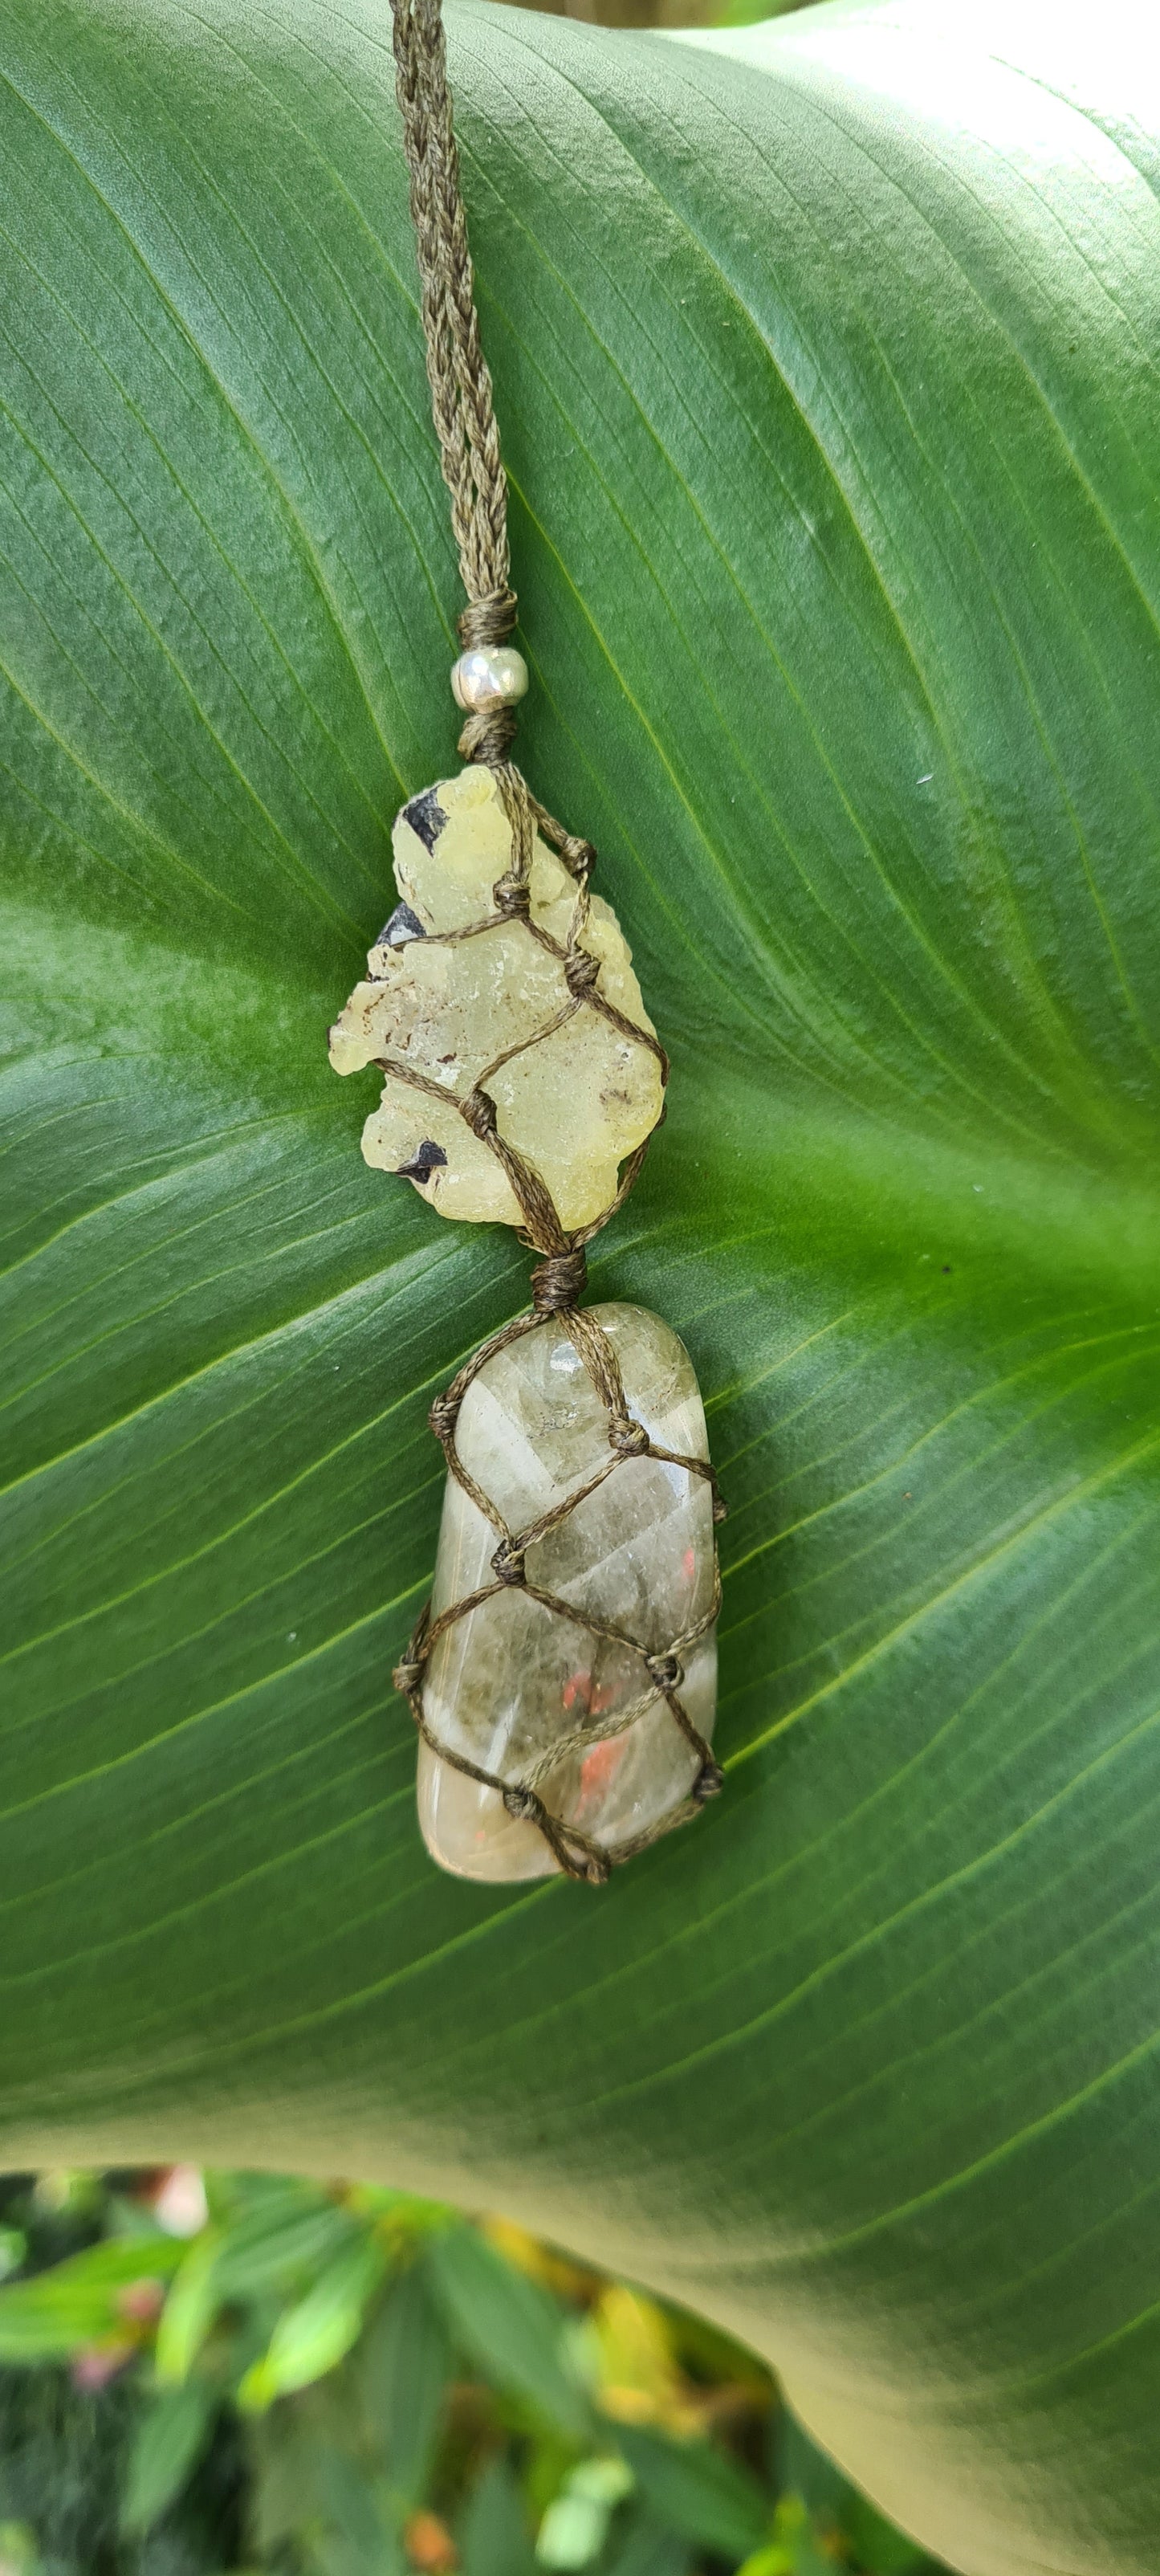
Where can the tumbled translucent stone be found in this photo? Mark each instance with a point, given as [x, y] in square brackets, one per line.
[509, 1679]
[574, 1104]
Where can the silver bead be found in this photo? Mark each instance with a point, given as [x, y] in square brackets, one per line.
[492, 675]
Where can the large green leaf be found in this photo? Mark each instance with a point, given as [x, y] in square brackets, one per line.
[827, 371]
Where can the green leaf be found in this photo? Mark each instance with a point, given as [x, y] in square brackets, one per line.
[316, 2332]
[800, 2553]
[512, 2329]
[13, 2246]
[805, 2471]
[289, 2468]
[646, 2549]
[195, 2297]
[284, 2235]
[403, 2367]
[359, 2534]
[745, 13]
[825, 359]
[273, 2236]
[166, 2444]
[698, 2492]
[494, 2539]
[877, 2547]
[79, 2300]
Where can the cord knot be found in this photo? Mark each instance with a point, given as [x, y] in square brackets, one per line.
[667, 1671]
[558, 1280]
[580, 972]
[479, 1109]
[443, 1416]
[710, 1778]
[508, 1563]
[578, 856]
[523, 1804]
[488, 736]
[487, 621]
[408, 1674]
[513, 898]
[628, 1438]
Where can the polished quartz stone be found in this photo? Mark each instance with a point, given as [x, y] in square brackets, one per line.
[575, 1103]
[507, 1681]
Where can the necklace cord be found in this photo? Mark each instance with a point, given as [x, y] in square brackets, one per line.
[457, 371]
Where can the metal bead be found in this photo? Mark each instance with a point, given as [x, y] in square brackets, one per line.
[493, 675]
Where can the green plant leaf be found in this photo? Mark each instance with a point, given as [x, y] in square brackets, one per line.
[13, 2245]
[403, 2367]
[194, 2300]
[314, 2334]
[167, 2442]
[268, 2237]
[648, 2550]
[877, 2547]
[697, 2492]
[802, 2470]
[283, 2233]
[494, 2539]
[75, 2302]
[512, 2329]
[825, 356]
[359, 2535]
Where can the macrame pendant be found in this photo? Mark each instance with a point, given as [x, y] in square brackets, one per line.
[563, 1679]
[591, 1683]
[563, 1675]
[478, 980]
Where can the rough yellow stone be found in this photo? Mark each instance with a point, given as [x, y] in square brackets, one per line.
[575, 1103]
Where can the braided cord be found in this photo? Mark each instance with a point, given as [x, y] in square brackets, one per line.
[457, 371]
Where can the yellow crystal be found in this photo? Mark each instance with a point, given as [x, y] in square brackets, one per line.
[575, 1103]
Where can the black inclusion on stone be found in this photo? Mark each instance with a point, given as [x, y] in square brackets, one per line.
[426, 817]
[422, 1163]
[403, 925]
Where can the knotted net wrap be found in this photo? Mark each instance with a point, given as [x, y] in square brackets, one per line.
[557, 1284]
[463, 411]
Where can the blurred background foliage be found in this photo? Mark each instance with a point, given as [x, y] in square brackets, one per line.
[665, 13]
[254, 2372]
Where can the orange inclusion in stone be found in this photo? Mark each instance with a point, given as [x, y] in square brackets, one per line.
[597, 1767]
